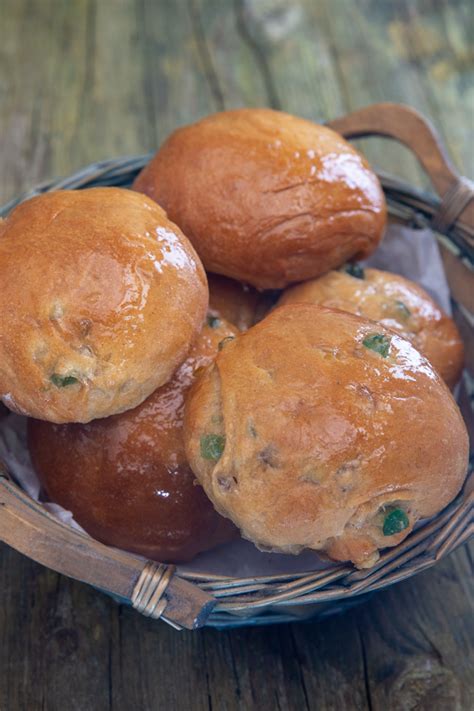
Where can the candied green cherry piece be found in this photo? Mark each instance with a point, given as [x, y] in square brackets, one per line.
[212, 446]
[251, 428]
[355, 270]
[378, 342]
[395, 521]
[225, 341]
[213, 321]
[62, 381]
[402, 309]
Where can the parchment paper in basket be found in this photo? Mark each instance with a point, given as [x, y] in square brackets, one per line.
[414, 254]
[411, 252]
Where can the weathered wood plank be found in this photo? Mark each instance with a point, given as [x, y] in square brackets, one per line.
[371, 71]
[264, 54]
[318, 60]
[177, 85]
[418, 639]
[231, 58]
[435, 39]
[54, 639]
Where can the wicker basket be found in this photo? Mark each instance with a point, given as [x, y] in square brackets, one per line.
[204, 599]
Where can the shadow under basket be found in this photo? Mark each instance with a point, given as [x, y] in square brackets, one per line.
[194, 600]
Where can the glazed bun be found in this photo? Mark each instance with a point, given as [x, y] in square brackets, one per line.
[320, 429]
[233, 301]
[395, 302]
[126, 479]
[101, 298]
[265, 197]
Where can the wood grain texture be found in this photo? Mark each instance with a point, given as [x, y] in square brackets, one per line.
[87, 79]
[29, 529]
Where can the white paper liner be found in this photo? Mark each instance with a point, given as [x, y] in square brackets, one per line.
[410, 252]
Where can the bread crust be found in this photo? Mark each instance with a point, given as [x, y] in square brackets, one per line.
[126, 478]
[101, 299]
[322, 436]
[395, 302]
[233, 301]
[266, 197]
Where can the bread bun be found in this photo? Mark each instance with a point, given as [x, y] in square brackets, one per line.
[265, 197]
[126, 479]
[233, 301]
[320, 429]
[395, 302]
[101, 298]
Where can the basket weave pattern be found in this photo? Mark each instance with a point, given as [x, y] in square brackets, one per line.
[278, 598]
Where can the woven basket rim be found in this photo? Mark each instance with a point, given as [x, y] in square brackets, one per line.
[240, 598]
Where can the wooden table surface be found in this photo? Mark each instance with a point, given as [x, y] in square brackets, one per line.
[82, 80]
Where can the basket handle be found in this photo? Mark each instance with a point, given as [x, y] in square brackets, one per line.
[152, 588]
[411, 128]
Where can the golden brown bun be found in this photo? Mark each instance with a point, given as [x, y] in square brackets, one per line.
[307, 438]
[233, 301]
[395, 302]
[101, 298]
[265, 197]
[126, 479]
